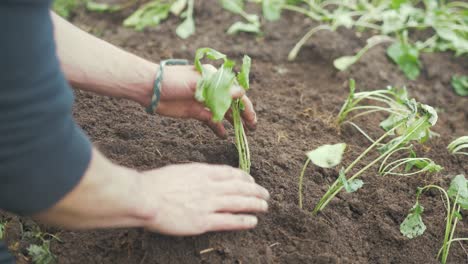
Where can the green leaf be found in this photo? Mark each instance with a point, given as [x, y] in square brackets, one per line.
[243, 76]
[64, 7]
[102, 7]
[41, 254]
[406, 57]
[150, 14]
[210, 54]
[350, 185]
[214, 91]
[460, 85]
[272, 9]
[413, 226]
[186, 29]
[327, 156]
[244, 27]
[234, 6]
[344, 62]
[178, 6]
[397, 3]
[458, 187]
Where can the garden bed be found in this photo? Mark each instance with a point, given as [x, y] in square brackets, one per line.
[297, 103]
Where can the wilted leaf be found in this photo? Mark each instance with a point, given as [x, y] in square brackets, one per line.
[327, 156]
[413, 226]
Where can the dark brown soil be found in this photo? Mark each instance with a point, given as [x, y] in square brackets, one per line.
[296, 104]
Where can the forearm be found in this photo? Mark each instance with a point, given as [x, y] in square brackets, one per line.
[94, 65]
[107, 196]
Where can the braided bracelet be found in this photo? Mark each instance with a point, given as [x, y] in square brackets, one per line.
[158, 82]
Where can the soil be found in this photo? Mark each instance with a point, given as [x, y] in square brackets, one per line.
[296, 103]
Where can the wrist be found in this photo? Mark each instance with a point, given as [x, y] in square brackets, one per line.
[143, 92]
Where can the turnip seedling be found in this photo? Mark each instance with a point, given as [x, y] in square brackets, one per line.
[459, 146]
[213, 90]
[456, 198]
[408, 121]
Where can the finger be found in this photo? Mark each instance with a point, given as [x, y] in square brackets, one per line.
[242, 188]
[249, 115]
[224, 173]
[237, 91]
[226, 222]
[238, 204]
[207, 117]
[228, 117]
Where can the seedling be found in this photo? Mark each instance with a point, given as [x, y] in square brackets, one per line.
[252, 24]
[408, 121]
[64, 7]
[389, 18]
[213, 90]
[459, 146]
[456, 198]
[39, 249]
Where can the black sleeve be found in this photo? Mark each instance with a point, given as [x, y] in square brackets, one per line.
[43, 153]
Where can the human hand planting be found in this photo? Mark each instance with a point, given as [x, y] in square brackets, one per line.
[192, 199]
[178, 99]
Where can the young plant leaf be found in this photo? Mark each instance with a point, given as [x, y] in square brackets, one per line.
[214, 91]
[150, 14]
[244, 27]
[208, 53]
[102, 7]
[413, 226]
[234, 6]
[460, 85]
[178, 6]
[272, 9]
[459, 188]
[350, 185]
[406, 57]
[327, 156]
[186, 28]
[243, 76]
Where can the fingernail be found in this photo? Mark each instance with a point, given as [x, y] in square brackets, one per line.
[264, 206]
[251, 220]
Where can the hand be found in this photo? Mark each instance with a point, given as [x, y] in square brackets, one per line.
[178, 99]
[192, 199]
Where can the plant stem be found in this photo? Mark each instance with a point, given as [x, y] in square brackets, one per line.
[241, 139]
[301, 180]
[336, 187]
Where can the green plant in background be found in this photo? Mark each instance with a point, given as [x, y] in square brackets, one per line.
[152, 13]
[460, 85]
[2, 228]
[407, 121]
[459, 146]
[65, 7]
[252, 24]
[394, 18]
[39, 249]
[456, 198]
[213, 90]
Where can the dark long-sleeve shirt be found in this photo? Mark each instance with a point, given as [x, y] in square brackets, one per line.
[43, 153]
